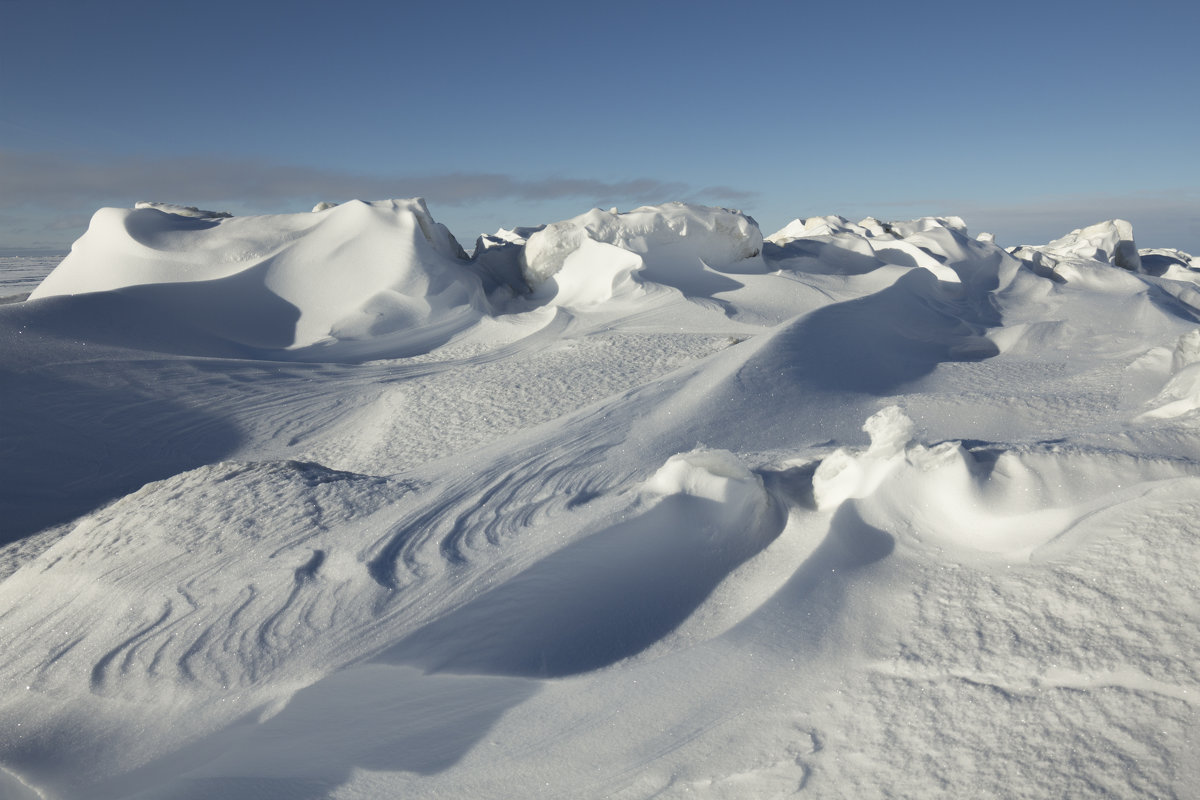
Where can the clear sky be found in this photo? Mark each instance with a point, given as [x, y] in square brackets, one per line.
[1027, 119]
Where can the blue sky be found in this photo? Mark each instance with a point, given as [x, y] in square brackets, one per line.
[1027, 118]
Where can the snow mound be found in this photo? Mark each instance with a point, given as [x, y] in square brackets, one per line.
[844, 475]
[1017, 504]
[868, 227]
[1187, 351]
[1109, 242]
[357, 271]
[590, 258]
[835, 246]
[715, 475]
[827, 226]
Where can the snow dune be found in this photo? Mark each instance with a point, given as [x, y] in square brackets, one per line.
[637, 504]
[288, 282]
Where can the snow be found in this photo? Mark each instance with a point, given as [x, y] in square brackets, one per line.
[360, 271]
[1110, 242]
[630, 505]
[592, 258]
[20, 275]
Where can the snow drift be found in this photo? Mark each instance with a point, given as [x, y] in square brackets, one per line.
[630, 505]
[1108, 242]
[346, 274]
[591, 258]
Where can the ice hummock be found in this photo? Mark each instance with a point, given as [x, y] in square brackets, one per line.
[593, 257]
[1108, 242]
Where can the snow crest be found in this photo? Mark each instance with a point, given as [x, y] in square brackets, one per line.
[357, 271]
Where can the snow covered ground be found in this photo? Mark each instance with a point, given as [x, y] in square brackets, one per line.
[631, 505]
[20, 275]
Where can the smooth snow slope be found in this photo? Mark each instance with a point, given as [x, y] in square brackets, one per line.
[630, 505]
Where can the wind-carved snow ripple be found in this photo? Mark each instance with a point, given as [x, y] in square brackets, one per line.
[127, 650]
[477, 510]
[225, 573]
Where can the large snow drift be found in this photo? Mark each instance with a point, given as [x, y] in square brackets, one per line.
[631, 505]
[352, 272]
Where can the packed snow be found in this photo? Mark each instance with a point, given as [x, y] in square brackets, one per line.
[635, 504]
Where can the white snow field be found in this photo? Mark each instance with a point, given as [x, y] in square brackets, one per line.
[626, 506]
[20, 275]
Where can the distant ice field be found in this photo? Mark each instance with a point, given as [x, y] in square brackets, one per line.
[20, 275]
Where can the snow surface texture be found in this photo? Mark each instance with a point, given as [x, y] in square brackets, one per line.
[631, 505]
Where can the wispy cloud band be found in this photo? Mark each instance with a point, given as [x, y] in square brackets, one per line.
[55, 180]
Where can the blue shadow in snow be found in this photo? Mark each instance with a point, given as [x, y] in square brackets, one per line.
[812, 598]
[597, 601]
[232, 317]
[877, 343]
[69, 447]
[368, 717]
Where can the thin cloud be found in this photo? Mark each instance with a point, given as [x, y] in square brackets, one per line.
[726, 193]
[52, 180]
